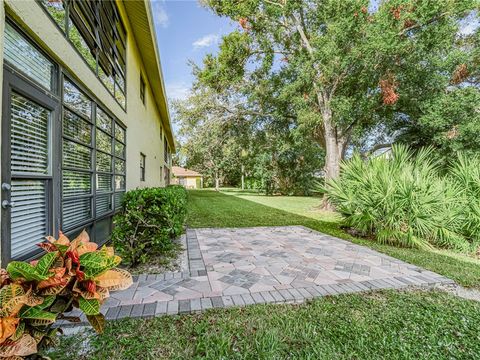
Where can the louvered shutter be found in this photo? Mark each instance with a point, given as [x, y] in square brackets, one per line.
[29, 216]
[30, 138]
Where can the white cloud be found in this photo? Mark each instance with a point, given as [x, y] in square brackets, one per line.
[160, 16]
[206, 41]
[177, 91]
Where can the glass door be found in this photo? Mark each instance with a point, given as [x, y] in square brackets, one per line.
[27, 167]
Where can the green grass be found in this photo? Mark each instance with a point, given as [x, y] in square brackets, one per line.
[375, 325]
[380, 325]
[233, 208]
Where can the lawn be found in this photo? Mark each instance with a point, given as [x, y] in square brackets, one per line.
[377, 325]
[233, 208]
[381, 325]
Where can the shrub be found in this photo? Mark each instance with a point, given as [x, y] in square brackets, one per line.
[465, 174]
[34, 295]
[403, 200]
[151, 218]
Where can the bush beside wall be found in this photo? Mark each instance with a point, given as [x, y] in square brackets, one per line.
[406, 199]
[150, 220]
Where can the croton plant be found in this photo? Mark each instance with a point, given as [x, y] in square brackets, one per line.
[34, 295]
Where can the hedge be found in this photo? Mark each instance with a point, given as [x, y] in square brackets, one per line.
[149, 221]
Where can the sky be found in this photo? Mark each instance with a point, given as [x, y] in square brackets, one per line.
[185, 31]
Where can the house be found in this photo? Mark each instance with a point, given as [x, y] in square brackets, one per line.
[188, 178]
[84, 117]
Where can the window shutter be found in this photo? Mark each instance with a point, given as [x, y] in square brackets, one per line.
[29, 137]
[29, 215]
[76, 211]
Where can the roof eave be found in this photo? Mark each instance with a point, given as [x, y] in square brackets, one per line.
[150, 55]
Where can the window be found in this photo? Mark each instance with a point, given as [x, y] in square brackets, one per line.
[104, 163]
[95, 29]
[77, 145]
[142, 89]
[119, 166]
[143, 160]
[166, 171]
[22, 55]
[165, 150]
[30, 168]
[56, 9]
[66, 154]
[90, 189]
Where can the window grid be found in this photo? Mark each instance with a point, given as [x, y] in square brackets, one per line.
[165, 150]
[74, 154]
[103, 190]
[24, 56]
[77, 183]
[119, 175]
[143, 160]
[97, 32]
[103, 197]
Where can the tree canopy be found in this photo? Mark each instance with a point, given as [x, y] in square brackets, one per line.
[338, 73]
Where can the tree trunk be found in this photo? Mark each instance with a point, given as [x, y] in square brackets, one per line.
[243, 177]
[333, 157]
[335, 146]
[217, 182]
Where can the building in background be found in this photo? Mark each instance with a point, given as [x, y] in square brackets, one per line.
[188, 178]
[83, 118]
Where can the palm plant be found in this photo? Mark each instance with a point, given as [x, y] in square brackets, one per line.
[400, 198]
[465, 173]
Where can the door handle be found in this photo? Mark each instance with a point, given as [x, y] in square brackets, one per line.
[7, 204]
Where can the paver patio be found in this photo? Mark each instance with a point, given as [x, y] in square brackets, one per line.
[241, 266]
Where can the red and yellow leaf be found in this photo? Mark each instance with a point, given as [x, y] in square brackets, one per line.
[12, 298]
[114, 279]
[58, 278]
[25, 346]
[86, 247]
[8, 326]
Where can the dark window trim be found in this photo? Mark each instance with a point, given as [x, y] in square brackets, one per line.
[54, 92]
[70, 168]
[54, 180]
[65, 35]
[92, 97]
[69, 138]
[142, 89]
[165, 150]
[28, 88]
[143, 165]
[94, 128]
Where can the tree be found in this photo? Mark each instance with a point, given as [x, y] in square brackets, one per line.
[345, 67]
[226, 138]
[450, 123]
[207, 128]
[285, 161]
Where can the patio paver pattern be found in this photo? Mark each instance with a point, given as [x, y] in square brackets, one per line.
[242, 266]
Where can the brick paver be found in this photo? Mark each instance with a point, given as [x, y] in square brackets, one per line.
[243, 266]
